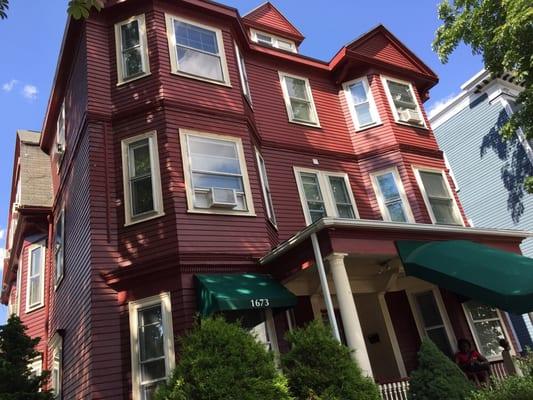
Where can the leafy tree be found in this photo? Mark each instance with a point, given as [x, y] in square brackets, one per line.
[77, 8]
[16, 352]
[318, 367]
[437, 377]
[502, 32]
[222, 361]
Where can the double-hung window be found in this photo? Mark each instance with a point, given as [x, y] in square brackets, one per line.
[438, 197]
[197, 50]
[59, 248]
[362, 107]
[266, 187]
[152, 344]
[487, 327]
[325, 194]
[243, 75]
[216, 174]
[402, 100]
[132, 49]
[298, 99]
[142, 180]
[35, 284]
[36, 366]
[391, 196]
[57, 365]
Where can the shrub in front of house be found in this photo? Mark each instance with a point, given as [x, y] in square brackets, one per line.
[318, 367]
[222, 361]
[437, 377]
[511, 388]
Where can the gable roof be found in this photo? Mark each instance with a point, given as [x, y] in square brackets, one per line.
[268, 18]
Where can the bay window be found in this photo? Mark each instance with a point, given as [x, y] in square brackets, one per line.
[298, 99]
[131, 49]
[325, 194]
[361, 103]
[152, 344]
[35, 284]
[402, 100]
[196, 50]
[391, 196]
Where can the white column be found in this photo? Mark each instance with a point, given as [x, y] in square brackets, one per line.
[350, 318]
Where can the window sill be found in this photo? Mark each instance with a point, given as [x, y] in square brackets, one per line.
[144, 219]
[34, 308]
[310, 124]
[423, 127]
[136, 78]
[221, 212]
[367, 127]
[202, 79]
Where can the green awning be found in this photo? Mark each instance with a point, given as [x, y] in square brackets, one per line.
[494, 277]
[227, 292]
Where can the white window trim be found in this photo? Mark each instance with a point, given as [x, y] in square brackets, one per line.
[18, 290]
[59, 279]
[286, 98]
[275, 40]
[166, 315]
[33, 307]
[56, 346]
[422, 188]
[443, 313]
[475, 335]
[384, 80]
[351, 105]
[157, 192]
[403, 196]
[265, 186]
[189, 189]
[329, 201]
[243, 74]
[143, 40]
[61, 133]
[171, 36]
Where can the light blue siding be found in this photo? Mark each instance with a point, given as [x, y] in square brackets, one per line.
[489, 172]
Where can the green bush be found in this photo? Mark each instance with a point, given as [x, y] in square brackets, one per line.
[511, 388]
[437, 377]
[320, 368]
[222, 361]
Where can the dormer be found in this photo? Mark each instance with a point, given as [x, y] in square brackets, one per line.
[267, 26]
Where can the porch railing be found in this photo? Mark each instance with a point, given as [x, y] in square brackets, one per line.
[398, 390]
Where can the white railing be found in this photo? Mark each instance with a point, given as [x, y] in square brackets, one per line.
[498, 371]
[394, 390]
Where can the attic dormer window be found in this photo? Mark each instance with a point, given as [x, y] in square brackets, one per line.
[268, 39]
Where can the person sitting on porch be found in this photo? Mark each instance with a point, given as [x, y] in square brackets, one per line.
[472, 363]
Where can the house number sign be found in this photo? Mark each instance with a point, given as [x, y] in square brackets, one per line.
[260, 303]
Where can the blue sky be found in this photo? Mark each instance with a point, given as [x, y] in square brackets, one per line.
[30, 55]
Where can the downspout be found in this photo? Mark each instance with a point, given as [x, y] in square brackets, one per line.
[325, 288]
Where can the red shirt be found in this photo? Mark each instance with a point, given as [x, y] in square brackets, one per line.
[466, 358]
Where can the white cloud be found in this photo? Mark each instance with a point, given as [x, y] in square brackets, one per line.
[2, 233]
[439, 105]
[8, 86]
[30, 92]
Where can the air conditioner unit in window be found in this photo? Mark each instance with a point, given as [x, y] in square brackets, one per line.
[410, 116]
[222, 198]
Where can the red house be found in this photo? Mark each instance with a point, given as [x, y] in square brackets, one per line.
[198, 163]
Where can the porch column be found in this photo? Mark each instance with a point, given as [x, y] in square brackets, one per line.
[350, 318]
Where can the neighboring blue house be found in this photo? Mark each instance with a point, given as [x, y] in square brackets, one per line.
[487, 171]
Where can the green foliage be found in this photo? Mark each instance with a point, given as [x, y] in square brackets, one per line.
[4, 6]
[511, 388]
[318, 367]
[76, 8]
[16, 352]
[437, 377]
[221, 361]
[502, 32]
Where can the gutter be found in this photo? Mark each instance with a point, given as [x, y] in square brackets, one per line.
[326, 223]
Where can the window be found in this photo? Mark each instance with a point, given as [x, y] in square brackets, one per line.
[361, 103]
[391, 196]
[403, 102]
[132, 49]
[197, 50]
[143, 197]
[298, 99]
[487, 328]
[431, 320]
[243, 75]
[59, 248]
[36, 366]
[60, 131]
[18, 289]
[216, 174]
[57, 365]
[266, 187]
[35, 285]
[438, 197]
[325, 194]
[152, 344]
[273, 41]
